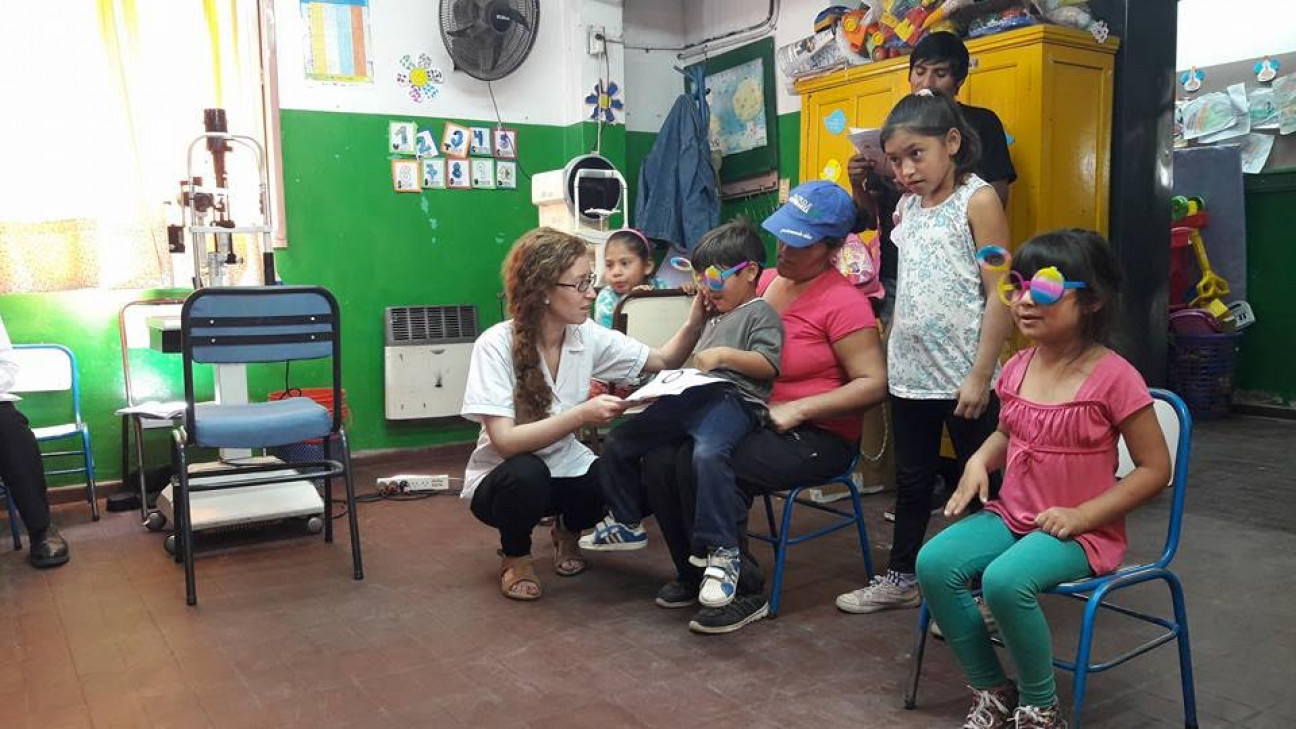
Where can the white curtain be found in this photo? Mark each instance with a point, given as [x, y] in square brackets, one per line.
[101, 101]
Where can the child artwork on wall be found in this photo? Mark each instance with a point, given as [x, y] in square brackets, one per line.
[506, 175]
[400, 137]
[506, 143]
[481, 142]
[454, 140]
[425, 144]
[434, 174]
[457, 173]
[405, 175]
[483, 173]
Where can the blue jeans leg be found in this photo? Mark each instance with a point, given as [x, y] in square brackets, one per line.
[716, 431]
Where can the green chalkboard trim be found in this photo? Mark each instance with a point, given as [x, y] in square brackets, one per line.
[1280, 181]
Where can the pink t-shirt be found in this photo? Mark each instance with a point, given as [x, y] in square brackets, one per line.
[829, 309]
[1065, 454]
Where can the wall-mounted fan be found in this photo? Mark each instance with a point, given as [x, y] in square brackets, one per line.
[489, 39]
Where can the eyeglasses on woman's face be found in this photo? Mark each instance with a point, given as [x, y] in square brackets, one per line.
[581, 285]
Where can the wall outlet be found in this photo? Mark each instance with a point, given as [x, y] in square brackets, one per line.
[596, 40]
[414, 483]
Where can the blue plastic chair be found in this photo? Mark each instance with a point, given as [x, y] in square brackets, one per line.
[53, 368]
[780, 537]
[249, 324]
[13, 518]
[1176, 425]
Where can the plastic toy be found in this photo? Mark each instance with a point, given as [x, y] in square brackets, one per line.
[1239, 316]
[855, 30]
[1211, 286]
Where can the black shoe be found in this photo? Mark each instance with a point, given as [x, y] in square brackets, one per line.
[48, 549]
[676, 594]
[743, 610]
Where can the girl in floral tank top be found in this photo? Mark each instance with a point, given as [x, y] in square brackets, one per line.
[1060, 515]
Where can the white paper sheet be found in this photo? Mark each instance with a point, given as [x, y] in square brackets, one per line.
[868, 142]
[672, 382]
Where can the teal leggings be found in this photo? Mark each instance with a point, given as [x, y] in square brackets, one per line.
[1014, 571]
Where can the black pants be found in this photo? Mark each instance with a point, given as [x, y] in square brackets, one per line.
[764, 462]
[917, 427]
[515, 496]
[21, 469]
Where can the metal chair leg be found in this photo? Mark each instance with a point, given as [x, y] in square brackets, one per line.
[353, 517]
[13, 518]
[1185, 652]
[88, 456]
[860, 527]
[184, 531]
[920, 647]
[137, 424]
[1084, 650]
[780, 552]
[328, 493]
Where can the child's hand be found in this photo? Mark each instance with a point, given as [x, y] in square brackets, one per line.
[689, 288]
[701, 309]
[975, 483]
[1063, 523]
[709, 359]
[601, 410]
[973, 397]
[642, 287]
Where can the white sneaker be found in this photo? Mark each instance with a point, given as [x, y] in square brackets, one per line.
[881, 594]
[992, 625]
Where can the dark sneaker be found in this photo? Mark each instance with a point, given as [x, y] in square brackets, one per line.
[992, 708]
[1039, 717]
[676, 594]
[48, 549]
[743, 610]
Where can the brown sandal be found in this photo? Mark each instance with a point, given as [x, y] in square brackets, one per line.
[516, 571]
[566, 550]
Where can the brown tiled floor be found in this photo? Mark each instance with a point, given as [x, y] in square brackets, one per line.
[283, 637]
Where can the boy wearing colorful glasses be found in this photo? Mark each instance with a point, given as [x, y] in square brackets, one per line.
[741, 344]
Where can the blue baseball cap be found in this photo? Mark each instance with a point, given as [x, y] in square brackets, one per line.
[814, 211]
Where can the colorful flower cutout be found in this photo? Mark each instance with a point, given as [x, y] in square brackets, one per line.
[420, 77]
[604, 101]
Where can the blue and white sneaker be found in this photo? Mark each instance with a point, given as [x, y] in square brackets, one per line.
[720, 578]
[611, 535]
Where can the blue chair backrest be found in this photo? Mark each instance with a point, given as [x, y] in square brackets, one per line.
[1176, 426]
[48, 368]
[251, 324]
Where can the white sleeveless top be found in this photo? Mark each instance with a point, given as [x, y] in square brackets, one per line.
[940, 301]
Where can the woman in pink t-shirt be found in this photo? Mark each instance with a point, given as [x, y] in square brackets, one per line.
[1060, 515]
[832, 370]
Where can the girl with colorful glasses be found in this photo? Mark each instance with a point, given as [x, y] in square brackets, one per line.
[627, 266]
[949, 324]
[741, 345]
[1060, 515]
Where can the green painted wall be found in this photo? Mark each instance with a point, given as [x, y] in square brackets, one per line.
[347, 231]
[1265, 369]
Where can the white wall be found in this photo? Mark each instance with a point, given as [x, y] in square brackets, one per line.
[651, 84]
[710, 18]
[1211, 32]
[549, 87]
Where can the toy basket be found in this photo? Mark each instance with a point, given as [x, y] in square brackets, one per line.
[1201, 371]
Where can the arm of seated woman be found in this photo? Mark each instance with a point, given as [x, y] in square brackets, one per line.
[860, 355]
[1151, 458]
[511, 439]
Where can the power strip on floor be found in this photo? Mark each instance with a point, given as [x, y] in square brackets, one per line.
[413, 484]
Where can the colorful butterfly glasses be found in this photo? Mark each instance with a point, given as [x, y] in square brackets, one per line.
[1046, 287]
[713, 277]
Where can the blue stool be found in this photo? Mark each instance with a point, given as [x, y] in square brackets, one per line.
[13, 518]
[780, 539]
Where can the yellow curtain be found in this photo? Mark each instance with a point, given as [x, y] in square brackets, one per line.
[101, 105]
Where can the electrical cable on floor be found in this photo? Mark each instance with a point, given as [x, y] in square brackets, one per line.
[376, 496]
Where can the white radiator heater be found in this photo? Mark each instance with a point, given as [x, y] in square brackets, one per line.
[426, 358]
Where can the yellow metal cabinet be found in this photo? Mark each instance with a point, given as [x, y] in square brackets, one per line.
[1052, 88]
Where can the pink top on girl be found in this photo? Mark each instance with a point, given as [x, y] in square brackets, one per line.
[829, 309]
[1065, 454]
